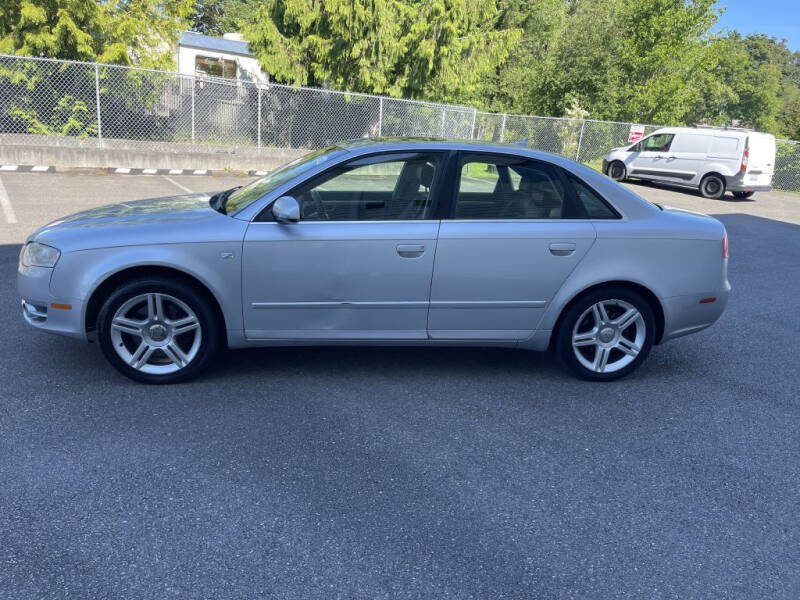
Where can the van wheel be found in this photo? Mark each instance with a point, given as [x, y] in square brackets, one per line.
[712, 186]
[617, 171]
[743, 194]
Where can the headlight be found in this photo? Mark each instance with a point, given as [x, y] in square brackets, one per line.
[35, 254]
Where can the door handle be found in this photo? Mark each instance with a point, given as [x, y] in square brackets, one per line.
[410, 250]
[562, 248]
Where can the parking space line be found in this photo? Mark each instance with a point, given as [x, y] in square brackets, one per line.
[176, 184]
[5, 204]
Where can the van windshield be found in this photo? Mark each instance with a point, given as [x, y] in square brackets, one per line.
[260, 187]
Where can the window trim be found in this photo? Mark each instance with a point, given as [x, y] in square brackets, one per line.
[439, 182]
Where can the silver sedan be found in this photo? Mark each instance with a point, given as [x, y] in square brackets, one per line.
[385, 242]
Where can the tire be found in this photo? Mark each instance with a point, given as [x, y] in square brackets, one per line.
[617, 171]
[159, 331]
[623, 333]
[743, 194]
[712, 186]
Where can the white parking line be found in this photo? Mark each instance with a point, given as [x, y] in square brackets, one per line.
[5, 204]
[176, 184]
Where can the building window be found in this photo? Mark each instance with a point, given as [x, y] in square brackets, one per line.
[215, 67]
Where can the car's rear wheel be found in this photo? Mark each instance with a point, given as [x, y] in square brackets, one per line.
[712, 186]
[743, 194]
[158, 331]
[617, 171]
[606, 334]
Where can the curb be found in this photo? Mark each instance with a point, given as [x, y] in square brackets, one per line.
[27, 168]
[125, 170]
[137, 171]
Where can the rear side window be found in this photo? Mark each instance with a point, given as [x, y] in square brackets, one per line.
[690, 142]
[594, 205]
[505, 187]
[725, 145]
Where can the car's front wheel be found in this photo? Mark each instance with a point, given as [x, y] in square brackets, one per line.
[158, 331]
[606, 334]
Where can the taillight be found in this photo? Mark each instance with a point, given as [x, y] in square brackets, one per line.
[725, 246]
[745, 158]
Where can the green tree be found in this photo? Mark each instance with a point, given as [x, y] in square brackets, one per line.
[216, 17]
[59, 98]
[438, 50]
[140, 32]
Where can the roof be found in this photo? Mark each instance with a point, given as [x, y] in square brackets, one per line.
[207, 42]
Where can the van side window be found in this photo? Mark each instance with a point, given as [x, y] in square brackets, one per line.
[658, 143]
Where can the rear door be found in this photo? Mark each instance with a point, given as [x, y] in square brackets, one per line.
[687, 156]
[515, 231]
[760, 160]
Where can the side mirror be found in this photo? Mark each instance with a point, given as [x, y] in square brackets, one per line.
[286, 210]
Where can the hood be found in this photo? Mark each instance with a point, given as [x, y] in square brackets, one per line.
[135, 212]
[155, 220]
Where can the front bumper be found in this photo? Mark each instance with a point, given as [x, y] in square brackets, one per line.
[42, 310]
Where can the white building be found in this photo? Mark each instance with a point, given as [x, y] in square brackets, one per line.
[227, 57]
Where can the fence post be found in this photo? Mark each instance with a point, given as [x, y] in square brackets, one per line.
[380, 117]
[503, 129]
[472, 129]
[441, 129]
[194, 83]
[259, 115]
[580, 141]
[97, 102]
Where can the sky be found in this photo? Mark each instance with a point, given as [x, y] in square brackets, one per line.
[776, 18]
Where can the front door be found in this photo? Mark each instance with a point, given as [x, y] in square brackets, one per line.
[517, 230]
[651, 161]
[358, 264]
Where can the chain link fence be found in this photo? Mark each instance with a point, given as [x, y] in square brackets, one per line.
[96, 103]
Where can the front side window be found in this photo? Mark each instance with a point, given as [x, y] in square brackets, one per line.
[658, 143]
[497, 187]
[389, 187]
[260, 187]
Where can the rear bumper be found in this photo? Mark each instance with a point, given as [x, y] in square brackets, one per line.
[741, 183]
[689, 314]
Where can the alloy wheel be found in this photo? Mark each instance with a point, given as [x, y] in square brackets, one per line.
[608, 336]
[156, 333]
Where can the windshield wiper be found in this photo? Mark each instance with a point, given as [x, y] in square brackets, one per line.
[218, 200]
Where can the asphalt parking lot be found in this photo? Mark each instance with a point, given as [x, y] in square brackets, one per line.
[406, 473]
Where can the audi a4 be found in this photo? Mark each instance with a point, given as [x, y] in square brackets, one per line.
[382, 242]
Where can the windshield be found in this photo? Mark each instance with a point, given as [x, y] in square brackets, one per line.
[257, 189]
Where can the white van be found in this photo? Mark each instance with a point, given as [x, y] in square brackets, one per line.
[711, 159]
